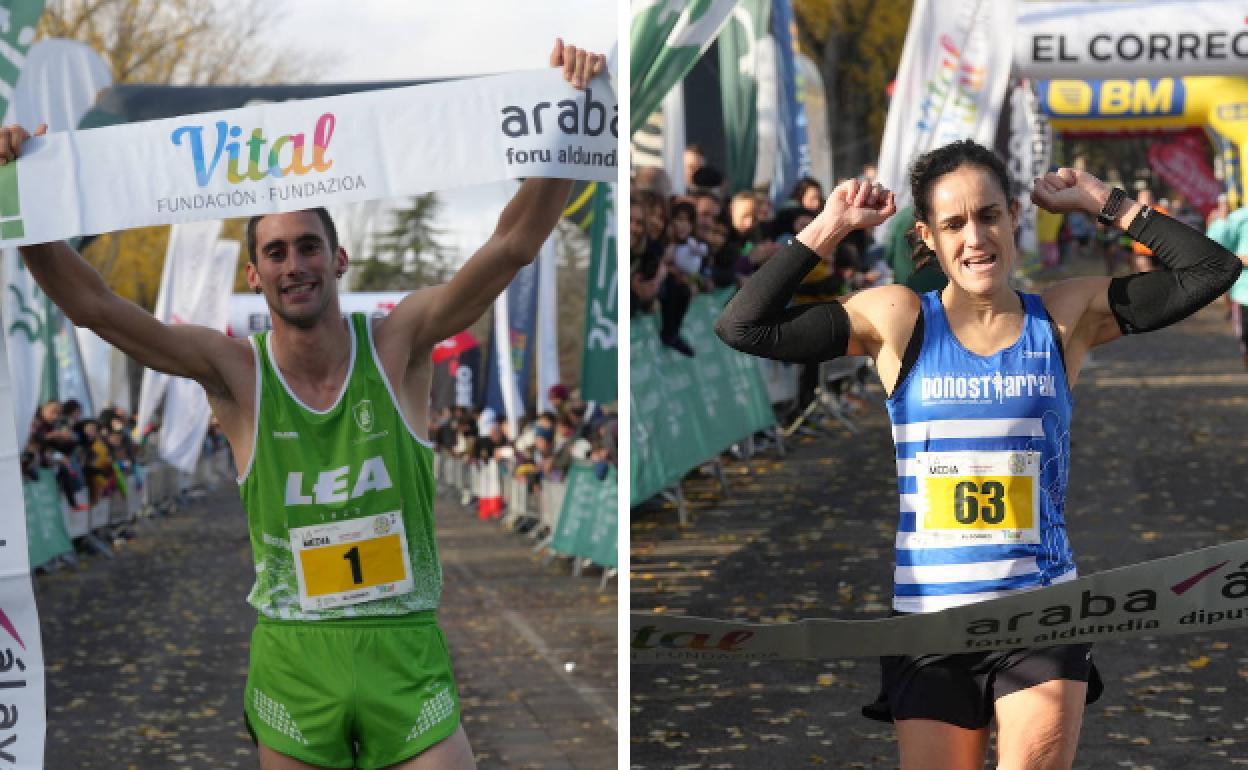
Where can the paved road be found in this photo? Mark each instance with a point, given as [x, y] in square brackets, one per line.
[147, 653]
[1160, 466]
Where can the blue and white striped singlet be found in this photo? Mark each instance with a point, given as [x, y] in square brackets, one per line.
[983, 449]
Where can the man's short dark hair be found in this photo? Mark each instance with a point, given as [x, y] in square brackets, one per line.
[326, 221]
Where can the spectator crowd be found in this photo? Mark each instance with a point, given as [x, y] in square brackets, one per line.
[92, 457]
[704, 240]
[545, 446]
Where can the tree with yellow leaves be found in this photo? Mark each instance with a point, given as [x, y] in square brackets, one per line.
[857, 44]
[190, 42]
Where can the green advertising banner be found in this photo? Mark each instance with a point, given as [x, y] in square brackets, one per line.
[589, 519]
[686, 411]
[666, 39]
[738, 85]
[45, 526]
[599, 359]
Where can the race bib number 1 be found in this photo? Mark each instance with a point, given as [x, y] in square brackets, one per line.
[979, 498]
[353, 561]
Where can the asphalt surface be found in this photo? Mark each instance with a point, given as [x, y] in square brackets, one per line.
[1160, 466]
[147, 653]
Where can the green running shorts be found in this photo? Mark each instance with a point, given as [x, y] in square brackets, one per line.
[354, 693]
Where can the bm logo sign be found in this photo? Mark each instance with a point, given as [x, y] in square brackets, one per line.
[1112, 98]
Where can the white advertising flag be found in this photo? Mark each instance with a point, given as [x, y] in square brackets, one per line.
[950, 85]
[21, 652]
[513, 406]
[23, 314]
[295, 155]
[188, 244]
[58, 84]
[200, 292]
[547, 324]
[1031, 145]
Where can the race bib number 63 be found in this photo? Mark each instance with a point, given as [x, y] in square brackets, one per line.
[979, 498]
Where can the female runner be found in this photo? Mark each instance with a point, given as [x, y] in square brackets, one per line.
[979, 380]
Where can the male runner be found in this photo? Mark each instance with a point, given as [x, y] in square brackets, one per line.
[326, 417]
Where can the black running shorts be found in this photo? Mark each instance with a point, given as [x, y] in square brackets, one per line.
[961, 689]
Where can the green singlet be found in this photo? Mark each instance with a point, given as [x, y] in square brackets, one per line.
[339, 503]
[348, 667]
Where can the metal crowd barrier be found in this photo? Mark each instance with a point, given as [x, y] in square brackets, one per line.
[155, 488]
[536, 515]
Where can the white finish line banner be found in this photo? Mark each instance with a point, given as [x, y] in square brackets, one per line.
[302, 154]
[1200, 591]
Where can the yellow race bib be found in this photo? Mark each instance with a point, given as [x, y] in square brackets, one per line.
[352, 561]
[978, 498]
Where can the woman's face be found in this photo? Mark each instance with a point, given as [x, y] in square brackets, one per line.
[656, 223]
[812, 199]
[682, 228]
[636, 226]
[971, 228]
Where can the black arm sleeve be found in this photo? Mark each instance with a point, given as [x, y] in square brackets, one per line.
[757, 321]
[1197, 271]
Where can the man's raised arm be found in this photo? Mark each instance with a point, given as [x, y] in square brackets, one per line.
[433, 314]
[79, 291]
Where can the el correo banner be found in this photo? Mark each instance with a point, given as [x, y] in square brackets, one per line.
[316, 152]
[1200, 591]
[1141, 38]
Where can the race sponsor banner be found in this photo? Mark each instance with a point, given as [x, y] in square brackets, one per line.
[589, 518]
[188, 245]
[1030, 149]
[201, 296]
[767, 118]
[249, 313]
[456, 371]
[70, 372]
[792, 157]
[59, 83]
[1199, 591]
[501, 394]
[598, 358]
[1181, 163]
[950, 83]
[17, 32]
[24, 316]
[316, 152]
[817, 161]
[22, 709]
[1131, 39]
[667, 37]
[740, 61]
[522, 332]
[685, 411]
[97, 363]
[45, 525]
[547, 350]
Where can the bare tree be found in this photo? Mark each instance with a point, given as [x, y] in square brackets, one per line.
[181, 42]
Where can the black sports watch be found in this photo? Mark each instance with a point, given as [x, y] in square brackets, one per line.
[1112, 208]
